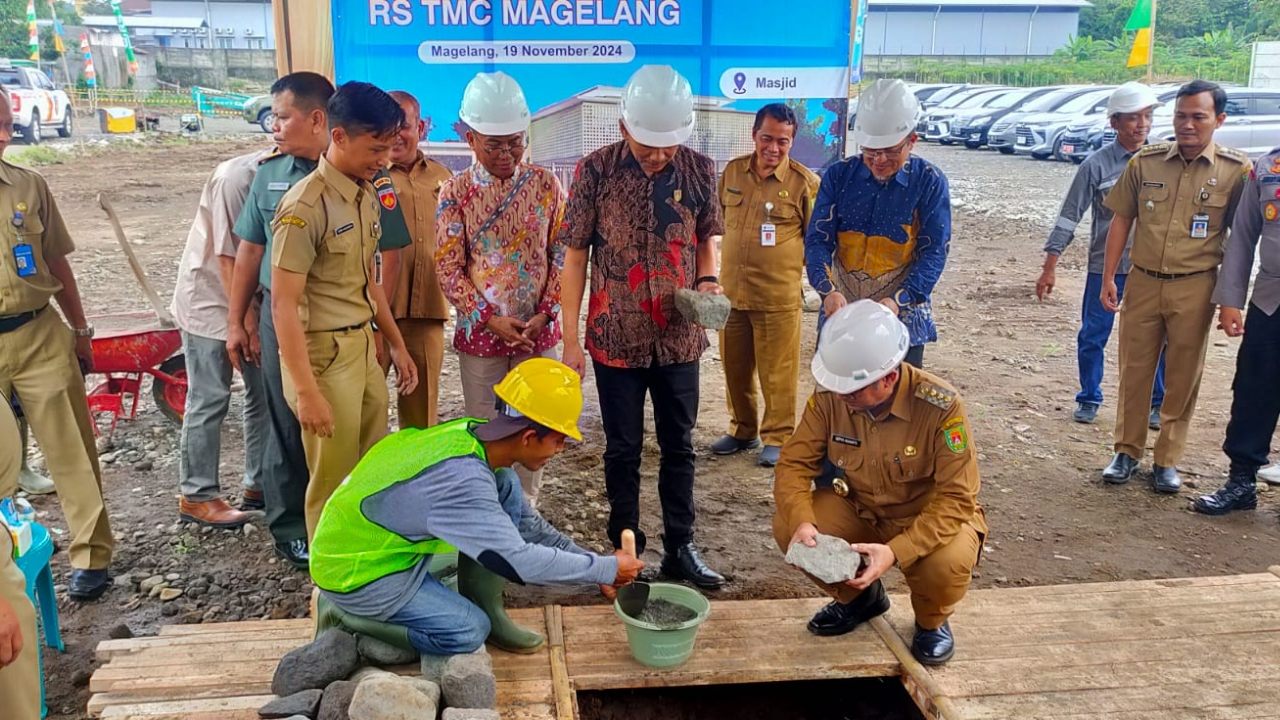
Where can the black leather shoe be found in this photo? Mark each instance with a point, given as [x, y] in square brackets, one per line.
[933, 647]
[87, 585]
[686, 564]
[1240, 493]
[1165, 479]
[1120, 470]
[728, 445]
[837, 618]
[295, 553]
[1153, 420]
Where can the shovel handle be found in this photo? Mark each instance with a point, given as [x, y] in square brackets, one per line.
[629, 542]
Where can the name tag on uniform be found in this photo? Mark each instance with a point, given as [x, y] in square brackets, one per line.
[282, 185]
[768, 234]
[1152, 184]
[1200, 226]
[344, 228]
[845, 440]
[24, 260]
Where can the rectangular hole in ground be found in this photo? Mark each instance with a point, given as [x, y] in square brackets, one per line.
[854, 699]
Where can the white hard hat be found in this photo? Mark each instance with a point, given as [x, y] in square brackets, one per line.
[887, 114]
[1131, 97]
[494, 104]
[861, 343]
[657, 106]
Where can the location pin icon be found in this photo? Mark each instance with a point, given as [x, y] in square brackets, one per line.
[739, 83]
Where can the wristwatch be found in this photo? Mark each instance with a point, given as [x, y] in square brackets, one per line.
[84, 332]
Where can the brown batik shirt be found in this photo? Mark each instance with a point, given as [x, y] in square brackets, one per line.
[643, 233]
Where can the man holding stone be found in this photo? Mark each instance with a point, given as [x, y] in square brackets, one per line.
[882, 459]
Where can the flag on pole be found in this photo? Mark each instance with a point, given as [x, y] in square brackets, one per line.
[124, 33]
[1142, 21]
[33, 35]
[58, 30]
[90, 75]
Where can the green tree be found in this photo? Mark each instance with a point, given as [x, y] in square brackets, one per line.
[13, 28]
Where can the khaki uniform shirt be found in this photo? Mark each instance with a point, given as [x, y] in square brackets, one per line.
[327, 227]
[914, 473]
[33, 231]
[1166, 194]
[418, 295]
[756, 276]
[10, 465]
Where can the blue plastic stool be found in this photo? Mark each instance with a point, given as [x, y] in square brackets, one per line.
[35, 566]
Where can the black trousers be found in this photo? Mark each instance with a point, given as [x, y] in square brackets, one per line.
[1255, 403]
[674, 392]
[285, 476]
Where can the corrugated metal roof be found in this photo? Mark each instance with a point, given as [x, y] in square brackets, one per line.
[146, 21]
[1029, 4]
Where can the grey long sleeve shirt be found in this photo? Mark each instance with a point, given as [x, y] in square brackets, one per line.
[1094, 179]
[1254, 229]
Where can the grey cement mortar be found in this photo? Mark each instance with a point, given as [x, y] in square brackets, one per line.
[666, 614]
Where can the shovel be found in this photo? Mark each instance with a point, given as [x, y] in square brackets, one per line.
[634, 597]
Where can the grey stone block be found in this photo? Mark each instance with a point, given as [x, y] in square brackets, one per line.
[433, 665]
[469, 683]
[470, 714]
[709, 311]
[330, 657]
[390, 698]
[304, 703]
[426, 687]
[377, 652]
[831, 561]
[336, 701]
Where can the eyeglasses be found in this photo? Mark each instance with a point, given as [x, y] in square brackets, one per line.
[515, 148]
[892, 153]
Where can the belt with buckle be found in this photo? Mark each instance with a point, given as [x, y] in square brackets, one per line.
[9, 323]
[1170, 276]
[348, 328]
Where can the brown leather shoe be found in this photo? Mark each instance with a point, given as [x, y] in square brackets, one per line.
[253, 500]
[216, 513]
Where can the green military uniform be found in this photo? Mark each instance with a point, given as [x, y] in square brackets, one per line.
[1182, 210]
[328, 228]
[20, 680]
[285, 485]
[761, 268]
[39, 364]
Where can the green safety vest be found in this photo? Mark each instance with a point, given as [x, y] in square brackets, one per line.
[350, 551]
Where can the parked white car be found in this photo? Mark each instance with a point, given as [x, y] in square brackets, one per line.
[38, 106]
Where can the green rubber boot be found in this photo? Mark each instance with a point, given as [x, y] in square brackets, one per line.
[329, 615]
[484, 588]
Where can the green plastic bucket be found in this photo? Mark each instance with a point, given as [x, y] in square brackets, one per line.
[665, 647]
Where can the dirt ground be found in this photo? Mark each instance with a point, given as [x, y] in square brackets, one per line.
[1012, 358]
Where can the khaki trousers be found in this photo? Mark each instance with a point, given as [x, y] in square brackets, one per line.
[425, 341]
[764, 344]
[1174, 315]
[19, 681]
[38, 363]
[345, 365]
[479, 375]
[937, 581]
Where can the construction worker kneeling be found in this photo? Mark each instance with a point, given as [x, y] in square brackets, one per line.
[882, 459]
[422, 493]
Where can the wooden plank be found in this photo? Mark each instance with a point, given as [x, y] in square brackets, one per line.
[121, 706]
[108, 649]
[561, 687]
[1168, 701]
[1110, 586]
[1261, 592]
[240, 626]
[925, 692]
[1003, 679]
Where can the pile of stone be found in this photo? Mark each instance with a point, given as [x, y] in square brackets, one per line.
[338, 676]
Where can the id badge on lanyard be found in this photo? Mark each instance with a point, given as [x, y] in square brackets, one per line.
[768, 231]
[24, 256]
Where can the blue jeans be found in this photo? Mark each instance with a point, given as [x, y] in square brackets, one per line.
[1091, 343]
[441, 621]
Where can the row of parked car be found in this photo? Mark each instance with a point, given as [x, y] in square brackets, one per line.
[1067, 122]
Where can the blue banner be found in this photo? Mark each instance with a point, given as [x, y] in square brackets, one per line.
[571, 54]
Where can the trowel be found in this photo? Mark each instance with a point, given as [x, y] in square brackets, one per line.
[634, 597]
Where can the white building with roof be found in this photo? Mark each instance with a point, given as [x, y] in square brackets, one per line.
[970, 28]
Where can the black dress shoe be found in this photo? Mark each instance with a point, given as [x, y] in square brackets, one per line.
[837, 618]
[933, 647]
[728, 445]
[88, 584]
[1229, 498]
[1120, 470]
[684, 563]
[1165, 479]
[295, 553]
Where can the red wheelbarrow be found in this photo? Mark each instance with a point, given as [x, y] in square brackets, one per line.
[125, 348]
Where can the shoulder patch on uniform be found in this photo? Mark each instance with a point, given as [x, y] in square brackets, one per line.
[1237, 155]
[387, 196]
[381, 181]
[1154, 149]
[956, 435]
[935, 395]
[293, 220]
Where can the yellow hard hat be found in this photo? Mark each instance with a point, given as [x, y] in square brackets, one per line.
[545, 391]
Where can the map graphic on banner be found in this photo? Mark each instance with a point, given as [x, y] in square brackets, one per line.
[572, 58]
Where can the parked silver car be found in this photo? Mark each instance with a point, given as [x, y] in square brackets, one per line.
[1041, 135]
[937, 122]
[1252, 125]
[1003, 133]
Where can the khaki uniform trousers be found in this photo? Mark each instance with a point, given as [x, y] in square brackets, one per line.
[479, 375]
[763, 343]
[425, 341]
[1175, 315]
[19, 681]
[938, 581]
[38, 363]
[345, 364]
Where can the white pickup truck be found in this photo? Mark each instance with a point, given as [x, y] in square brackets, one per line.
[38, 106]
